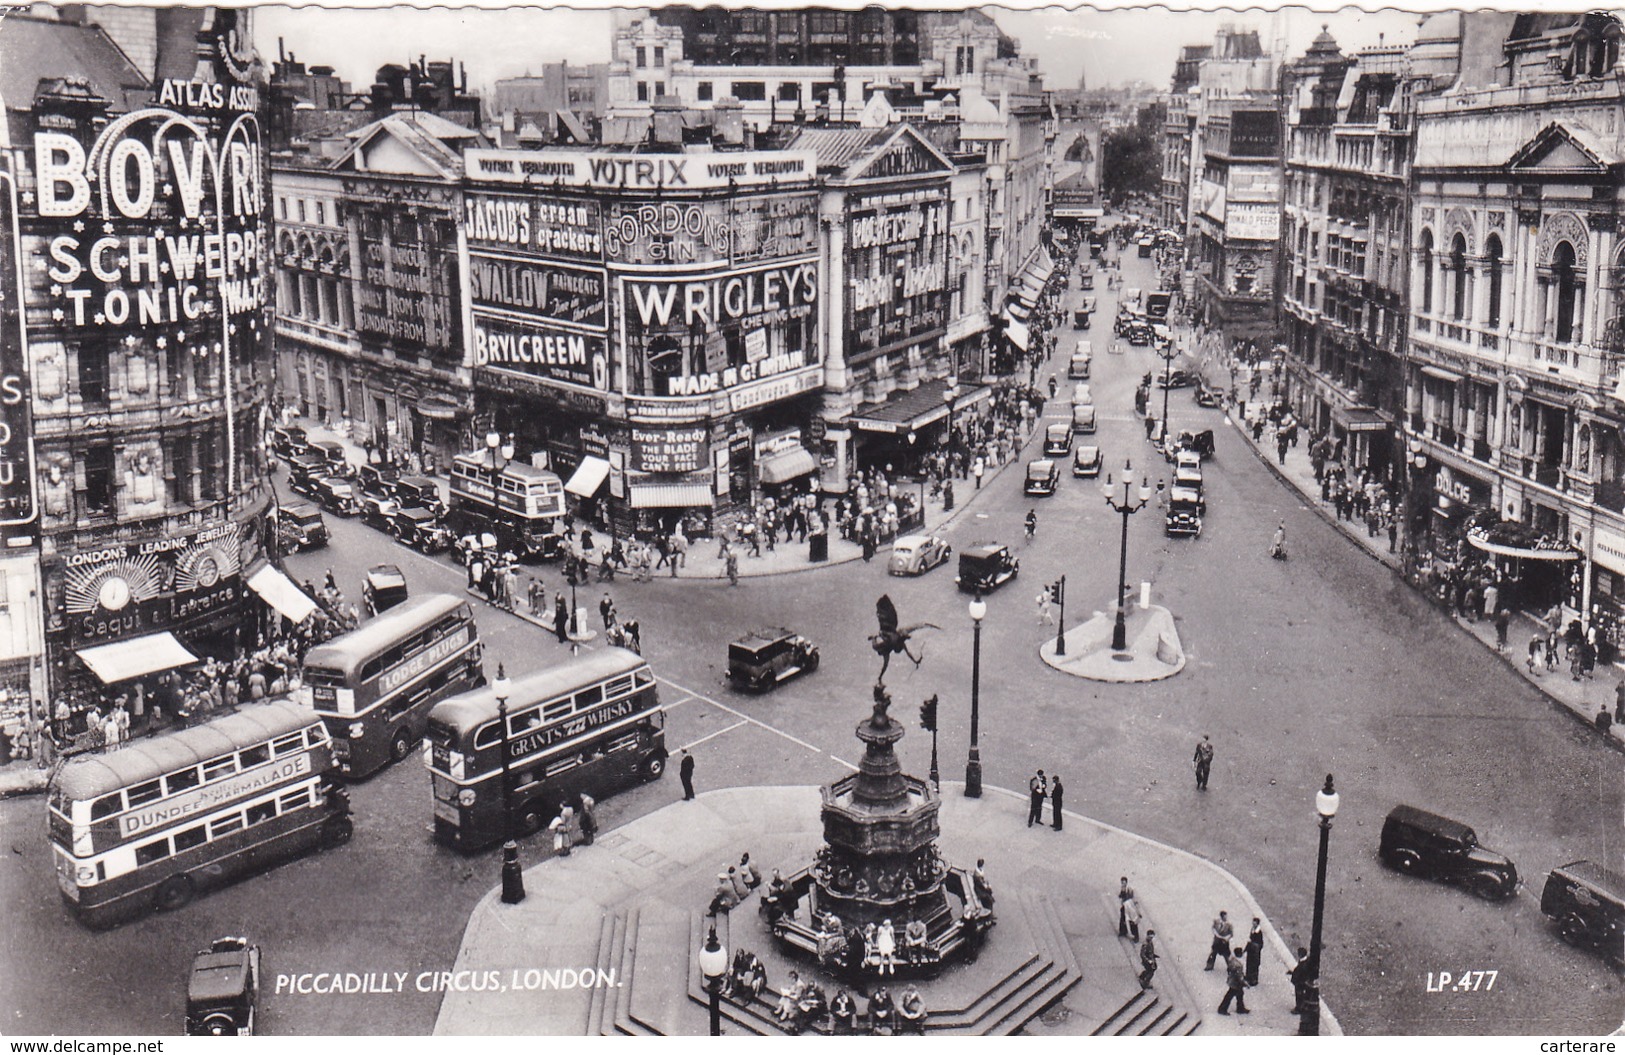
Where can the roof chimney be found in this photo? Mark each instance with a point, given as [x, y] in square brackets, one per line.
[729, 120]
[667, 121]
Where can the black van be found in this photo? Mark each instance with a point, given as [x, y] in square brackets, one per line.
[1588, 903]
[1417, 842]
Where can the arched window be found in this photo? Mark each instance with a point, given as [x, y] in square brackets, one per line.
[1492, 272]
[1427, 271]
[1458, 277]
[1565, 286]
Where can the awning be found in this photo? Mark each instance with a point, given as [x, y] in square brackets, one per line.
[124, 660]
[589, 477]
[1359, 419]
[1018, 334]
[670, 496]
[786, 465]
[1442, 375]
[1477, 540]
[280, 593]
[438, 408]
[916, 408]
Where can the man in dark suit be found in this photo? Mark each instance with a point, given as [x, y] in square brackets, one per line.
[685, 772]
[1037, 787]
[1056, 793]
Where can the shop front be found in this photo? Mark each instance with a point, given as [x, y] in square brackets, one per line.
[905, 430]
[1457, 499]
[1607, 614]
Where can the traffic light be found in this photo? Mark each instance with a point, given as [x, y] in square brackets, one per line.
[1057, 589]
[928, 715]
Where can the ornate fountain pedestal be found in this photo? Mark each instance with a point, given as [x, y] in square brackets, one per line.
[880, 864]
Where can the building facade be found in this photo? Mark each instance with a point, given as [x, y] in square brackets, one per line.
[141, 351]
[1514, 404]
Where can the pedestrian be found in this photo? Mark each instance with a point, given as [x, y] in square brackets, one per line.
[685, 773]
[1619, 702]
[634, 635]
[740, 887]
[1148, 959]
[1537, 645]
[588, 812]
[1204, 762]
[606, 610]
[538, 597]
[1236, 983]
[977, 469]
[1604, 721]
[1037, 787]
[1302, 983]
[1125, 894]
[1045, 617]
[731, 564]
[1056, 792]
[1222, 933]
[561, 617]
[1501, 618]
[1255, 950]
[748, 871]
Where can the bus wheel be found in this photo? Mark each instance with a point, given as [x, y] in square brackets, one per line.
[401, 746]
[532, 816]
[653, 766]
[338, 831]
[174, 893]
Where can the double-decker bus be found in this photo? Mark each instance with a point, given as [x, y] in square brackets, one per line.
[374, 686]
[592, 724]
[519, 504]
[159, 820]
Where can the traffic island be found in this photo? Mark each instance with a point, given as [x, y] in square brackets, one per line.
[1154, 650]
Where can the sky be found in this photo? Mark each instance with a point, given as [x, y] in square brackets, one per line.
[1109, 47]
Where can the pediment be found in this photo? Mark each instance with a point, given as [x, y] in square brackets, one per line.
[1559, 148]
[906, 153]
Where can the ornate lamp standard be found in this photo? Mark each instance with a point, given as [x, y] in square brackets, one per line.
[949, 395]
[973, 764]
[513, 877]
[1129, 505]
[1168, 355]
[1326, 802]
[494, 443]
[713, 968]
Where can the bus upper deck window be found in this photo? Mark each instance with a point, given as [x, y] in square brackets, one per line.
[182, 780]
[644, 677]
[143, 793]
[589, 697]
[283, 745]
[524, 723]
[254, 756]
[106, 806]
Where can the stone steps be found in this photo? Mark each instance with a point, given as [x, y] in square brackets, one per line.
[1147, 1014]
[610, 938]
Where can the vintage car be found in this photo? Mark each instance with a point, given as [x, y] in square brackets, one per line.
[1082, 393]
[1042, 478]
[1058, 439]
[299, 525]
[288, 440]
[917, 554]
[1086, 277]
[1081, 318]
[1200, 443]
[1082, 359]
[1139, 333]
[763, 658]
[420, 529]
[1185, 508]
[383, 587]
[304, 470]
[1588, 903]
[419, 492]
[377, 512]
[332, 452]
[1175, 379]
[985, 567]
[1420, 843]
[223, 989]
[1083, 418]
[1086, 461]
[1145, 245]
[377, 480]
[1205, 396]
[338, 494]
[1188, 470]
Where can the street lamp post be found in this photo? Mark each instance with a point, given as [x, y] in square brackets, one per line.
[973, 765]
[1168, 356]
[1326, 802]
[949, 395]
[919, 470]
[1129, 505]
[513, 877]
[713, 968]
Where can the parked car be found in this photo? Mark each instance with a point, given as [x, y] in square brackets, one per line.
[288, 440]
[1058, 439]
[1188, 470]
[985, 567]
[419, 492]
[377, 480]
[378, 512]
[1421, 843]
[383, 588]
[338, 494]
[222, 992]
[764, 658]
[917, 554]
[1083, 418]
[1042, 478]
[421, 529]
[304, 470]
[332, 452]
[1588, 903]
[1086, 461]
[1185, 508]
[299, 525]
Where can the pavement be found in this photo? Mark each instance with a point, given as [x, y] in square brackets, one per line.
[1154, 651]
[670, 857]
[704, 560]
[1582, 697]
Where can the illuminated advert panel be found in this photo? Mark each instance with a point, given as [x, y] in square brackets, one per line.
[897, 272]
[736, 230]
[565, 168]
[17, 474]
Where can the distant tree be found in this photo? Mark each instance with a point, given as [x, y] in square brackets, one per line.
[1130, 163]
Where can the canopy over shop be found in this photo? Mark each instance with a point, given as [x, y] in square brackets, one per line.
[136, 656]
[887, 424]
[279, 591]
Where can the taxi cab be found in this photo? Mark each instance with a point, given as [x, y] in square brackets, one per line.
[1042, 477]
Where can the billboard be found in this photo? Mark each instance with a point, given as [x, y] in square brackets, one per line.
[406, 293]
[546, 292]
[17, 473]
[734, 230]
[566, 168]
[1252, 221]
[535, 350]
[551, 226]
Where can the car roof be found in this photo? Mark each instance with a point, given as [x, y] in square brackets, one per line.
[761, 637]
[385, 573]
[908, 541]
[416, 481]
[218, 976]
[1086, 450]
[1041, 463]
[984, 550]
[1433, 822]
[416, 513]
[1059, 427]
[1183, 494]
[1596, 875]
[298, 507]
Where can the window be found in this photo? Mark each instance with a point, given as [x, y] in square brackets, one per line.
[1458, 277]
[789, 92]
[589, 697]
[144, 793]
[106, 806]
[261, 813]
[294, 799]
[99, 480]
[556, 709]
[642, 59]
[1565, 287]
[301, 203]
[283, 745]
[148, 854]
[183, 780]
[226, 825]
[216, 768]
[643, 91]
[660, 57]
[703, 91]
[1492, 269]
[660, 89]
[321, 212]
[254, 756]
[1426, 263]
[93, 387]
[185, 840]
[749, 91]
